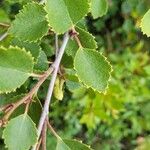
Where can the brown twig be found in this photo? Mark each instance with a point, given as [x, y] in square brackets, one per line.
[52, 130]
[43, 135]
[29, 95]
[6, 108]
[39, 144]
[74, 34]
[36, 75]
[4, 25]
[27, 106]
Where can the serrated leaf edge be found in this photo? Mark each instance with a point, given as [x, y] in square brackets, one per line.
[52, 29]
[30, 42]
[3, 136]
[95, 43]
[102, 14]
[28, 54]
[88, 146]
[109, 79]
[73, 25]
[141, 25]
[21, 12]
[94, 39]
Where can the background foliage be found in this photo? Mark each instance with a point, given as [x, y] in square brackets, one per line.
[119, 119]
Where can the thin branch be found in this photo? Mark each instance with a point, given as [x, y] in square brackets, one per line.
[51, 85]
[2, 37]
[39, 144]
[52, 82]
[44, 131]
[27, 107]
[6, 108]
[75, 36]
[30, 94]
[35, 75]
[52, 130]
[4, 25]
[56, 45]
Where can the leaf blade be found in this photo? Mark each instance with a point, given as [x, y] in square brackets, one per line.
[145, 23]
[65, 144]
[99, 8]
[20, 128]
[84, 36]
[30, 24]
[15, 68]
[92, 69]
[63, 14]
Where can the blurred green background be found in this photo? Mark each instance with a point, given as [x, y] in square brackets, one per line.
[119, 119]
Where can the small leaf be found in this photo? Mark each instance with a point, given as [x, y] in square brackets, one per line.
[15, 68]
[30, 24]
[92, 69]
[20, 133]
[145, 24]
[63, 14]
[99, 8]
[84, 36]
[66, 144]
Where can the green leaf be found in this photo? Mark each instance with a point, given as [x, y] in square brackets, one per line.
[92, 69]
[33, 47]
[99, 8]
[72, 81]
[145, 23]
[35, 110]
[84, 36]
[30, 24]
[42, 62]
[15, 68]
[67, 61]
[76, 145]
[20, 133]
[61, 145]
[63, 14]
[66, 144]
